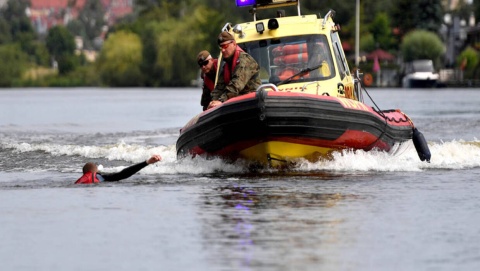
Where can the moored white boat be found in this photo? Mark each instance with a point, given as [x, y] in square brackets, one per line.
[420, 74]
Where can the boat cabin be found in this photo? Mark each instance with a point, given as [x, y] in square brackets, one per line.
[295, 53]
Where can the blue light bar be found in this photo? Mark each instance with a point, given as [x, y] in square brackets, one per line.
[243, 3]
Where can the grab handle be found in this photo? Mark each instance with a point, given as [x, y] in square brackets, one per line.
[267, 86]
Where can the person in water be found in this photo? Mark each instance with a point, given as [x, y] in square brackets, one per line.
[208, 65]
[240, 74]
[91, 174]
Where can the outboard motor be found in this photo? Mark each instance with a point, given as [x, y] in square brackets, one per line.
[421, 145]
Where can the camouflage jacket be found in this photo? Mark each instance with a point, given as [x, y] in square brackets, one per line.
[244, 79]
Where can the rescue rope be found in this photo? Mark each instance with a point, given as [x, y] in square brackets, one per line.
[379, 112]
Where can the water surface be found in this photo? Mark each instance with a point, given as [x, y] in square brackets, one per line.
[361, 211]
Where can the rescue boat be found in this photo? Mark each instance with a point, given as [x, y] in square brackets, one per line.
[308, 106]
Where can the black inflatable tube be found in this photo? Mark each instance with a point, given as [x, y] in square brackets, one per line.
[421, 145]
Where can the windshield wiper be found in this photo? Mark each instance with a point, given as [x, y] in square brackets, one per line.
[302, 72]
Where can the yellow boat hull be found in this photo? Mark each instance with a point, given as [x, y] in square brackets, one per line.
[276, 153]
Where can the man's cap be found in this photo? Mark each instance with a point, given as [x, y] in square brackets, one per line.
[224, 36]
[202, 56]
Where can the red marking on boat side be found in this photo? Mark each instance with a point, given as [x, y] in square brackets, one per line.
[351, 139]
[288, 89]
[352, 104]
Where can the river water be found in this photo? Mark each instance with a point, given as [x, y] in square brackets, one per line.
[361, 211]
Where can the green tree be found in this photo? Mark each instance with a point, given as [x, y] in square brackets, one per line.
[20, 25]
[171, 38]
[60, 41]
[77, 28]
[175, 57]
[381, 31]
[476, 9]
[119, 61]
[5, 35]
[91, 17]
[14, 63]
[429, 14]
[468, 60]
[150, 53]
[368, 43]
[421, 14]
[61, 46]
[15, 26]
[38, 53]
[463, 9]
[344, 10]
[422, 44]
[403, 16]
[344, 15]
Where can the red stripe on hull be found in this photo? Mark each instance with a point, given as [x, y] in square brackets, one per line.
[349, 140]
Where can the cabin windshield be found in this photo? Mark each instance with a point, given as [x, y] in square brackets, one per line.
[281, 58]
[423, 66]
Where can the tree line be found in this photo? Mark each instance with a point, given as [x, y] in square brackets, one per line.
[157, 44]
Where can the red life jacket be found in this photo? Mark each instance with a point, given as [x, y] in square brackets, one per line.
[209, 81]
[89, 177]
[227, 70]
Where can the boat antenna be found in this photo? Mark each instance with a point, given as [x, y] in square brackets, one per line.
[254, 13]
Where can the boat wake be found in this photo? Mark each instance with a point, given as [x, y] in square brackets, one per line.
[445, 155]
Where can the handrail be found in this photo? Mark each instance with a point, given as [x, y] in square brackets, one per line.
[330, 13]
[265, 86]
[227, 27]
[310, 83]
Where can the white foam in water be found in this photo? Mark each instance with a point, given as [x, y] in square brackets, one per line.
[199, 165]
[120, 151]
[455, 154]
[351, 161]
[134, 153]
[445, 155]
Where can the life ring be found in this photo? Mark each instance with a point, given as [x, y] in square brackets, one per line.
[288, 72]
[368, 79]
[294, 49]
[289, 49]
[291, 59]
[277, 51]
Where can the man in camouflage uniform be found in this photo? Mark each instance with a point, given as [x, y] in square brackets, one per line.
[208, 65]
[240, 74]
